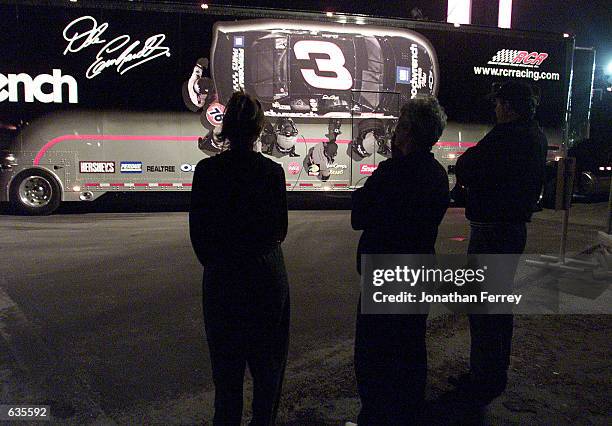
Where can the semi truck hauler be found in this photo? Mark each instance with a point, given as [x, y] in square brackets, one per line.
[101, 97]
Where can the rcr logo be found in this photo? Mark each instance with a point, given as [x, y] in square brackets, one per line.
[12, 85]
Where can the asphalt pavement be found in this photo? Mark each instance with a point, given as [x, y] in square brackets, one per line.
[102, 315]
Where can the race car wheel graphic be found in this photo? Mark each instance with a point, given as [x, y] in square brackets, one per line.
[35, 192]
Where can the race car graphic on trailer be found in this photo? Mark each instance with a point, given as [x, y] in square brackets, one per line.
[306, 69]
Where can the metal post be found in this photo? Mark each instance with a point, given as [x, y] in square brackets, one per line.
[564, 225]
[610, 210]
[566, 169]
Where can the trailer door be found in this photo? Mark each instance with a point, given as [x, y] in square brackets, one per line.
[371, 133]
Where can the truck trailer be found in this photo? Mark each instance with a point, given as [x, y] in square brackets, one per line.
[116, 96]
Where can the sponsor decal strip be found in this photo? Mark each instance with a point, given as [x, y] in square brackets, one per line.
[63, 138]
[137, 184]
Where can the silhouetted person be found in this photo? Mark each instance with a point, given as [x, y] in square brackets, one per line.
[503, 175]
[399, 209]
[237, 221]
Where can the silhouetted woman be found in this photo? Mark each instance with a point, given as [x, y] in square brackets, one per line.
[237, 221]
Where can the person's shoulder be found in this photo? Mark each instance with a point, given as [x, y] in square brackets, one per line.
[438, 167]
[208, 163]
[387, 164]
[270, 164]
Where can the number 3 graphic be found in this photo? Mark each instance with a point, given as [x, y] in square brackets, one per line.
[335, 64]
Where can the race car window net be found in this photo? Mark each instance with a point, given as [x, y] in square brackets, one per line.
[269, 70]
[371, 63]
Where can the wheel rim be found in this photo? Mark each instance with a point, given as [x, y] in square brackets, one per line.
[35, 191]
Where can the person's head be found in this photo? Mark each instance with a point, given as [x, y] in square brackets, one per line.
[421, 123]
[286, 135]
[243, 121]
[330, 150]
[513, 101]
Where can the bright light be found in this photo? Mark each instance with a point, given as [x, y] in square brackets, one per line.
[76, 188]
[456, 25]
[459, 11]
[329, 14]
[204, 6]
[566, 35]
[609, 68]
[504, 19]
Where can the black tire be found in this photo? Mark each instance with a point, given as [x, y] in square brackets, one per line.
[35, 192]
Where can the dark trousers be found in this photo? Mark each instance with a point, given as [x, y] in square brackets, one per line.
[390, 367]
[246, 316]
[491, 335]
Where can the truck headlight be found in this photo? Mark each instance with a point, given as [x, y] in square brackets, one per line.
[7, 161]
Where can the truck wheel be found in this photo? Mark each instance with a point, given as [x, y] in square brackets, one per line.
[35, 192]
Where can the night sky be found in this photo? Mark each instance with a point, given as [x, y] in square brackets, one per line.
[589, 20]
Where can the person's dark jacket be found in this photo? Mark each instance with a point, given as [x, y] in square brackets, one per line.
[504, 173]
[238, 207]
[401, 205]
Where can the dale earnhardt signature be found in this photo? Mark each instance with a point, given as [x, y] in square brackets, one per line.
[120, 52]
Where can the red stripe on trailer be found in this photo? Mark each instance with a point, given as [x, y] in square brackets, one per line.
[288, 184]
[117, 184]
[92, 184]
[317, 140]
[187, 184]
[164, 184]
[306, 184]
[141, 184]
[340, 184]
[63, 138]
[457, 144]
